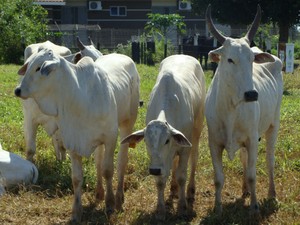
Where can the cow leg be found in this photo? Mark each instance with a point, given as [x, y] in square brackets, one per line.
[251, 174]
[60, 150]
[161, 208]
[30, 130]
[181, 174]
[244, 160]
[98, 161]
[271, 136]
[193, 162]
[216, 156]
[174, 185]
[108, 171]
[77, 178]
[121, 166]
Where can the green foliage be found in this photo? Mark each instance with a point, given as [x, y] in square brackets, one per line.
[21, 23]
[164, 23]
[297, 49]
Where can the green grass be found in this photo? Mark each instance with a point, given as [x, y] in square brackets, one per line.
[50, 200]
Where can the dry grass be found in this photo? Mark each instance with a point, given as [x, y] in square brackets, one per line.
[50, 201]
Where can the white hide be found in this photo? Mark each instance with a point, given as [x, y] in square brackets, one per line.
[234, 122]
[124, 79]
[33, 117]
[174, 123]
[81, 99]
[14, 171]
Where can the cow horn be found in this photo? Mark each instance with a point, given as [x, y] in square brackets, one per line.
[90, 40]
[251, 32]
[79, 44]
[212, 28]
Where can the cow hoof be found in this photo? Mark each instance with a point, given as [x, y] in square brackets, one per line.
[218, 210]
[119, 201]
[160, 216]
[254, 211]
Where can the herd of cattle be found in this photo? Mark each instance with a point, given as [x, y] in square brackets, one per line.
[83, 100]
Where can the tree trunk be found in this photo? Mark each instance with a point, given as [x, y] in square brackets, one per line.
[283, 33]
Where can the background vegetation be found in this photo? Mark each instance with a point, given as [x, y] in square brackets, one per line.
[21, 23]
[50, 200]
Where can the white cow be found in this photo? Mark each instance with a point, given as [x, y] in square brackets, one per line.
[14, 171]
[243, 103]
[124, 78]
[174, 116]
[82, 100]
[33, 117]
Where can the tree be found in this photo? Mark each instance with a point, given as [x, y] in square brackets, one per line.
[163, 24]
[21, 23]
[282, 13]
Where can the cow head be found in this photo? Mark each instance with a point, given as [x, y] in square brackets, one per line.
[88, 50]
[161, 139]
[37, 72]
[236, 58]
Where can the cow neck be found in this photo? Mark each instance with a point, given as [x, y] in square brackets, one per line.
[227, 94]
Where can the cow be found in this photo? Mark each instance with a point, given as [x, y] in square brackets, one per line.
[174, 123]
[125, 81]
[82, 100]
[243, 103]
[14, 171]
[33, 117]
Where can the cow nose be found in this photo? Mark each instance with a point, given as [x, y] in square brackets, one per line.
[155, 172]
[18, 92]
[251, 96]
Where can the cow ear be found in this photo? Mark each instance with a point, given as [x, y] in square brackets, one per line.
[48, 67]
[263, 58]
[215, 55]
[179, 138]
[23, 69]
[133, 138]
[77, 57]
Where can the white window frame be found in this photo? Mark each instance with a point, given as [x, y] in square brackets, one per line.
[118, 10]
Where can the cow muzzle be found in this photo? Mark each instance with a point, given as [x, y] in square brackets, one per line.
[18, 92]
[251, 96]
[155, 171]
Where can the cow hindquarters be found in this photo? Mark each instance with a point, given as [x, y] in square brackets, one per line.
[77, 178]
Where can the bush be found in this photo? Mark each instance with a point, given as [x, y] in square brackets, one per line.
[21, 23]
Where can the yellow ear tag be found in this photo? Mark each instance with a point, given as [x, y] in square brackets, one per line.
[132, 145]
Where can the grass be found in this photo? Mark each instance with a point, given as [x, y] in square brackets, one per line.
[50, 200]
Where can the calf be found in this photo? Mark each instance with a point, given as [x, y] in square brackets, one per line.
[174, 123]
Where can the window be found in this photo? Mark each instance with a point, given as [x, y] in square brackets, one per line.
[118, 11]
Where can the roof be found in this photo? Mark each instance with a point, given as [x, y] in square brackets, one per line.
[50, 2]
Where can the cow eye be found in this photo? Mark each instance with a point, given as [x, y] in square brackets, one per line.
[230, 61]
[167, 141]
[37, 69]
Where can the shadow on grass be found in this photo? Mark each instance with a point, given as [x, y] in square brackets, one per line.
[238, 213]
[171, 216]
